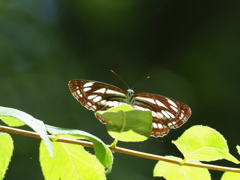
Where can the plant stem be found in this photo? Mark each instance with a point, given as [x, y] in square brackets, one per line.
[121, 150]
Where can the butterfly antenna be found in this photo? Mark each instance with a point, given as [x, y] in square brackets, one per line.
[142, 80]
[112, 71]
[146, 77]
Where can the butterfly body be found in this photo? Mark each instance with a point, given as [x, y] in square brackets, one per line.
[97, 96]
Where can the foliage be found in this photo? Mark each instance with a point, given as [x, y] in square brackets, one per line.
[61, 160]
[172, 171]
[199, 143]
[6, 151]
[70, 162]
[121, 123]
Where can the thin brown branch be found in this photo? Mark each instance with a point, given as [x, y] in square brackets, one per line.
[121, 150]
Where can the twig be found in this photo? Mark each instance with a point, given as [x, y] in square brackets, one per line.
[121, 150]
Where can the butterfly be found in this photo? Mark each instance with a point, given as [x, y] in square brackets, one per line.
[97, 96]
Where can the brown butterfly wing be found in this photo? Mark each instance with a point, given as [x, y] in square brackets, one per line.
[166, 113]
[96, 96]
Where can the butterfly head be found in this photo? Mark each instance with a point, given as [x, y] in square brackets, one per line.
[130, 97]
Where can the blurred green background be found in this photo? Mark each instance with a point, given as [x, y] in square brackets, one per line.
[190, 49]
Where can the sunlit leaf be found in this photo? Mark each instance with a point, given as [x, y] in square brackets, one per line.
[171, 171]
[6, 151]
[230, 176]
[127, 124]
[14, 117]
[238, 149]
[102, 152]
[203, 143]
[70, 162]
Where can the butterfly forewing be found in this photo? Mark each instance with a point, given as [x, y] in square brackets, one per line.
[97, 96]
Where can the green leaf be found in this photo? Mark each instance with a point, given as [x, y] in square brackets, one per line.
[238, 149]
[126, 124]
[102, 152]
[6, 151]
[70, 161]
[230, 176]
[203, 143]
[14, 117]
[171, 171]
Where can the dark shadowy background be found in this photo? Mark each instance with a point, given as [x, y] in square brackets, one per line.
[190, 49]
